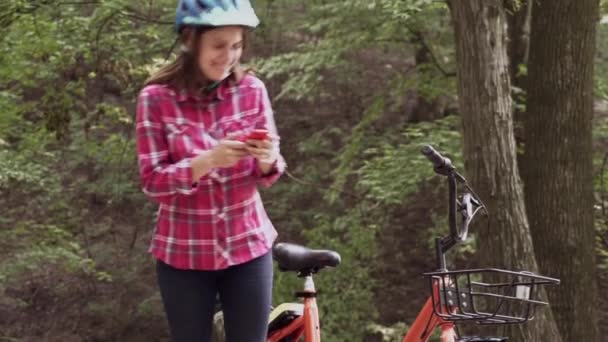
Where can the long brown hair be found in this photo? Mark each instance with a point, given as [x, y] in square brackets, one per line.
[184, 72]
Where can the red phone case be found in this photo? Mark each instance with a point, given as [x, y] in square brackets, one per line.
[257, 136]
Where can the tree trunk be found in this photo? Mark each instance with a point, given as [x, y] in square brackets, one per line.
[489, 147]
[558, 169]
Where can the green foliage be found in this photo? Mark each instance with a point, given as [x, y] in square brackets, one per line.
[601, 65]
[68, 76]
[17, 169]
[600, 133]
[601, 227]
[392, 170]
[345, 294]
[353, 148]
[343, 29]
[47, 245]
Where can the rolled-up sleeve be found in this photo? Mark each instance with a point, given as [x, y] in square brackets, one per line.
[161, 178]
[279, 166]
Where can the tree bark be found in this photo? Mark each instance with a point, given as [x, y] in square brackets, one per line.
[558, 168]
[489, 148]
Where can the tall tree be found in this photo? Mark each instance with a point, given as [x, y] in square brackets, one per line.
[489, 145]
[558, 167]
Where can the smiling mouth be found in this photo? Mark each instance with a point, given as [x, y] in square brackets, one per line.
[222, 67]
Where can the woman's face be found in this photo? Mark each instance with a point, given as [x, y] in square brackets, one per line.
[220, 51]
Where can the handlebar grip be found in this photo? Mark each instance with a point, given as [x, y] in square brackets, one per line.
[436, 158]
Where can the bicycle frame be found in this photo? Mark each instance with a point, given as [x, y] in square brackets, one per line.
[427, 321]
[306, 325]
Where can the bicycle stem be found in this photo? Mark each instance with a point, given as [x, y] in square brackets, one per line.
[443, 245]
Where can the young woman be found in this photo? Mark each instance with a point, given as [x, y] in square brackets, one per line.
[199, 160]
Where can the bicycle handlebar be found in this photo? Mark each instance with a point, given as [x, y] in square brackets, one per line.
[468, 207]
[441, 163]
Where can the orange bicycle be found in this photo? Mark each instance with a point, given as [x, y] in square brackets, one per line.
[481, 296]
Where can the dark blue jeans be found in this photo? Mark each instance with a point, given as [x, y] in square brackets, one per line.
[245, 292]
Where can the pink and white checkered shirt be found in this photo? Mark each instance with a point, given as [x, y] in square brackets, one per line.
[218, 220]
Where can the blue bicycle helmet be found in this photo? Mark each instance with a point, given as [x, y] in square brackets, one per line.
[215, 13]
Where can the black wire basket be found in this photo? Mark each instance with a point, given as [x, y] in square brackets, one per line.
[487, 296]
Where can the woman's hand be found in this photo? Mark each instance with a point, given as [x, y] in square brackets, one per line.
[227, 153]
[264, 151]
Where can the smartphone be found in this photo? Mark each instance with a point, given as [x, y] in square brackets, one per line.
[257, 135]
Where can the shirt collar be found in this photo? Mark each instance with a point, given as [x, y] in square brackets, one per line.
[219, 93]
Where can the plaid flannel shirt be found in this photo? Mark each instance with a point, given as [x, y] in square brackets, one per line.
[218, 220]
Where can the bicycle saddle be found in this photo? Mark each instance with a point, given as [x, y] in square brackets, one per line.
[292, 257]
